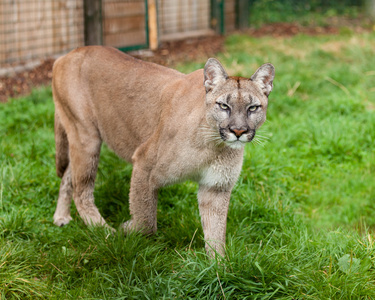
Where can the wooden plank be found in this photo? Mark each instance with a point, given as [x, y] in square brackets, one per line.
[125, 39]
[152, 25]
[127, 24]
[187, 34]
[123, 9]
[124, 23]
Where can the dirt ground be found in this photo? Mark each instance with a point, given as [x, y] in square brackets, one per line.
[169, 53]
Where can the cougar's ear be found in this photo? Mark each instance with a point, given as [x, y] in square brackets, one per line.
[264, 77]
[214, 74]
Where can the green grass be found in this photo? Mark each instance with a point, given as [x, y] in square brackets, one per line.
[301, 217]
[307, 13]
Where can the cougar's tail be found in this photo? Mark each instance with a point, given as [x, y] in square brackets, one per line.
[62, 147]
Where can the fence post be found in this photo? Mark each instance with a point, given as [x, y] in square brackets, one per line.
[152, 24]
[93, 22]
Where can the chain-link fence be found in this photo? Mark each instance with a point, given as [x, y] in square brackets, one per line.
[178, 18]
[32, 29]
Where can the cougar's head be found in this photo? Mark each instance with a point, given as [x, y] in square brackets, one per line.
[236, 106]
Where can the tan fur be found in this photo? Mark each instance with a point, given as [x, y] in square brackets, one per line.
[171, 126]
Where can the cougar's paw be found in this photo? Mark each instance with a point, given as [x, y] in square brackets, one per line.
[61, 221]
[131, 226]
[128, 227]
[109, 229]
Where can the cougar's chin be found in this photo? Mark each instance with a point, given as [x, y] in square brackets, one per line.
[236, 144]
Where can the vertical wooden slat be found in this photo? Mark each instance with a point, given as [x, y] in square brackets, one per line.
[152, 25]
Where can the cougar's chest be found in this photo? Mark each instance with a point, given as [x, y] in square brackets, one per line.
[223, 171]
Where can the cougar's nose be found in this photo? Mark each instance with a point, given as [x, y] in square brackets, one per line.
[238, 132]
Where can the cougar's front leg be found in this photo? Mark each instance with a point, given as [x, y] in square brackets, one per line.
[142, 200]
[213, 208]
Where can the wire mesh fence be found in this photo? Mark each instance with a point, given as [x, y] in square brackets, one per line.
[182, 18]
[31, 29]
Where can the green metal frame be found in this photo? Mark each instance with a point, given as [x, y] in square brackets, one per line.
[222, 16]
[142, 46]
[217, 13]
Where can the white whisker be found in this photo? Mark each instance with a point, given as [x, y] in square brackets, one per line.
[210, 135]
[256, 141]
[262, 137]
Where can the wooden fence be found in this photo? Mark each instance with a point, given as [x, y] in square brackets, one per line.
[35, 29]
[124, 23]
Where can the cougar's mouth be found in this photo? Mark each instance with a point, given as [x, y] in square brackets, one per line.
[236, 141]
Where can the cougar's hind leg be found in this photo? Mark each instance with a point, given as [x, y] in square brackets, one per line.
[142, 204]
[62, 146]
[84, 150]
[62, 213]
[142, 196]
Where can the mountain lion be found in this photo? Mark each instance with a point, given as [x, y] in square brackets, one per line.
[170, 126]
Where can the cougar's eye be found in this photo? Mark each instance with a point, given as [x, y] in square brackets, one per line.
[223, 106]
[253, 108]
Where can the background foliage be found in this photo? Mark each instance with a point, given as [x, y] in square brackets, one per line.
[307, 12]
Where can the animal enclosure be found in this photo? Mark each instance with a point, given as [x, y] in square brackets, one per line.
[35, 29]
